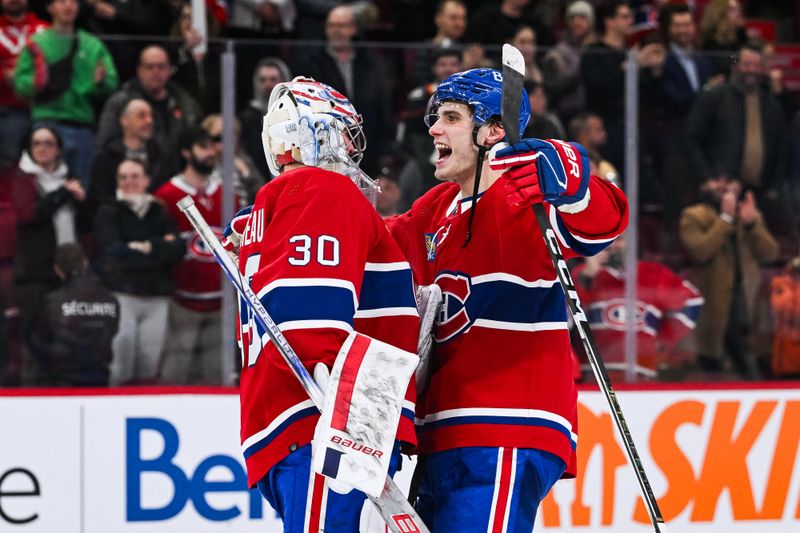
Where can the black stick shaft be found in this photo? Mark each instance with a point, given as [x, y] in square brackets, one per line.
[513, 77]
[598, 368]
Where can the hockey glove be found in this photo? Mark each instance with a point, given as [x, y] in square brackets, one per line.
[546, 170]
[232, 234]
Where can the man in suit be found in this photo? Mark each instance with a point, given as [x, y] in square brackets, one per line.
[685, 73]
[360, 76]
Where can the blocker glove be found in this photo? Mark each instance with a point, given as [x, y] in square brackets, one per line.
[232, 234]
[546, 170]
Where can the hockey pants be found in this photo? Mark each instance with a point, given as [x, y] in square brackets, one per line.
[494, 490]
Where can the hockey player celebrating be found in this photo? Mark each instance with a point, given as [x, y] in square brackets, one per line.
[497, 421]
[320, 259]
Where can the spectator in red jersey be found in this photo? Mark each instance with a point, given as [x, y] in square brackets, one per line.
[192, 351]
[666, 310]
[16, 27]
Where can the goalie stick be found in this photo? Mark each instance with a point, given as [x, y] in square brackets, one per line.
[513, 75]
[399, 515]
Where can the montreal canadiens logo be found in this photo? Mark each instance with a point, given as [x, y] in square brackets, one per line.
[453, 318]
[197, 250]
[614, 316]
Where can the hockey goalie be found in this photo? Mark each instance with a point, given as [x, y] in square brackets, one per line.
[320, 259]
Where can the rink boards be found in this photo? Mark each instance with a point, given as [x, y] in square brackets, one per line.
[720, 459]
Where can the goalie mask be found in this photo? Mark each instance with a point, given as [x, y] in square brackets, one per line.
[312, 123]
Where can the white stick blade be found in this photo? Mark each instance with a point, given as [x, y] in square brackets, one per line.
[513, 59]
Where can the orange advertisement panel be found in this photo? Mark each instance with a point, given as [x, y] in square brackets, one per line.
[718, 460]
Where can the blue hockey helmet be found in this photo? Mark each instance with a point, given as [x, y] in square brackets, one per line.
[482, 90]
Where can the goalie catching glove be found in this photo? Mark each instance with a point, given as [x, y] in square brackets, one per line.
[549, 170]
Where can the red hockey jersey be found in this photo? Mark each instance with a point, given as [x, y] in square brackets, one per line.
[198, 282]
[666, 311]
[502, 371]
[13, 38]
[321, 260]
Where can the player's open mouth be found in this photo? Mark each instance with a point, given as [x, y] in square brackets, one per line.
[443, 151]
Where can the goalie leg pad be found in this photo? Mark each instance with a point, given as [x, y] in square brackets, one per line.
[355, 435]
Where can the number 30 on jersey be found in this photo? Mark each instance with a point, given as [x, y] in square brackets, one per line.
[324, 249]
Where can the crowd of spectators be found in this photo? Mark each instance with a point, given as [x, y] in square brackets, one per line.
[109, 113]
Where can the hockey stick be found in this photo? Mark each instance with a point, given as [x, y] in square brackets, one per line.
[513, 75]
[392, 505]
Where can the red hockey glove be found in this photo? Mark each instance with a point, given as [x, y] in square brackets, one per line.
[544, 170]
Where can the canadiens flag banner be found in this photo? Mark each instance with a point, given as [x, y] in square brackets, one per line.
[355, 435]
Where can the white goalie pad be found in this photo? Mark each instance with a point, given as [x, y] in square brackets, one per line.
[355, 435]
[429, 300]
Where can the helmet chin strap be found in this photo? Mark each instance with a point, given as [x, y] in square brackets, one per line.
[477, 184]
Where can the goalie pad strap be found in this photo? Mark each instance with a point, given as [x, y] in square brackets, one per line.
[347, 380]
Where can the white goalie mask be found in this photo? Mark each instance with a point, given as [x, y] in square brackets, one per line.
[312, 123]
